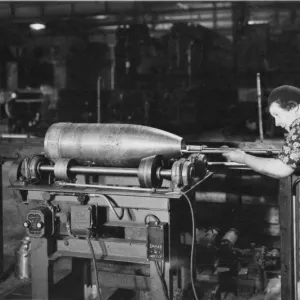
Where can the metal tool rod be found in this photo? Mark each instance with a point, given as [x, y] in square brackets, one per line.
[166, 174]
[46, 168]
[99, 80]
[207, 150]
[162, 173]
[227, 164]
[113, 66]
[260, 121]
[103, 171]
[16, 136]
[107, 187]
[94, 170]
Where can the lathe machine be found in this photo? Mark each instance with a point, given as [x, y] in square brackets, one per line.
[114, 201]
[120, 195]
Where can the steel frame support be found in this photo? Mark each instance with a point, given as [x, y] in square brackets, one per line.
[1, 222]
[289, 196]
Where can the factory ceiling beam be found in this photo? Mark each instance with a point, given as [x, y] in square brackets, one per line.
[88, 17]
[26, 11]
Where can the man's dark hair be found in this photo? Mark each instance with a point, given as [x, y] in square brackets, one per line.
[286, 96]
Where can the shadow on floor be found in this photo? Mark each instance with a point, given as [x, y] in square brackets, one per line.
[63, 290]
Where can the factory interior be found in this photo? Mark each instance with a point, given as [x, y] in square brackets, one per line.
[115, 91]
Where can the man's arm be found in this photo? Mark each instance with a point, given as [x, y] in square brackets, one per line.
[272, 167]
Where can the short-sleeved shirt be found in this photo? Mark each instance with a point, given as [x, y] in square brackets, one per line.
[290, 152]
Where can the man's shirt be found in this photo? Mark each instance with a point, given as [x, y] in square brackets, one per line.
[290, 152]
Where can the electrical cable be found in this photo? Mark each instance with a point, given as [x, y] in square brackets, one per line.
[208, 174]
[129, 213]
[8, 272]
[68, 225]
[160, 275]
[153, 216]
[110, 206]
[193, 243]
[95, 267]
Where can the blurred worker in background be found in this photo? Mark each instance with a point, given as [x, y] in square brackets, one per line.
[48, 110]
[284, 106]
[50, 98]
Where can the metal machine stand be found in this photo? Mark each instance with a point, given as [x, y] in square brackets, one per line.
[121, 263]
[289, 195]
[1, 221]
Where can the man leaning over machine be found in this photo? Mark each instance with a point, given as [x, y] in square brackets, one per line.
[284, 106]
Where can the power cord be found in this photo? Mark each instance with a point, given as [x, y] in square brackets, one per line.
[157, 220]
[184, 194]
[160, 275]
[109, 203]
[193, 243]
[95, 266]
[93, 257]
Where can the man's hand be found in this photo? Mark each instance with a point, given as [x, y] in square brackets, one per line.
[237, 156]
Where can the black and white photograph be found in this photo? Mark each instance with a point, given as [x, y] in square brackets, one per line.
[149, 150]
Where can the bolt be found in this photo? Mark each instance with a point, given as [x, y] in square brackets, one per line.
[66, 243]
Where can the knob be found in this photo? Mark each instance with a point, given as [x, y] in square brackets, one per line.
[40, 225]
[27, 224]
[46, 196]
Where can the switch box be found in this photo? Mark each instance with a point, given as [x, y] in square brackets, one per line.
[40, 222]
[83, 219]
[157, 244]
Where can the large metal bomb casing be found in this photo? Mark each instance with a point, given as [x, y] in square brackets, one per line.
[114, 145]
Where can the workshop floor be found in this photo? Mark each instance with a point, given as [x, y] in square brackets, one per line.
[63, 291]
[14, 215]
